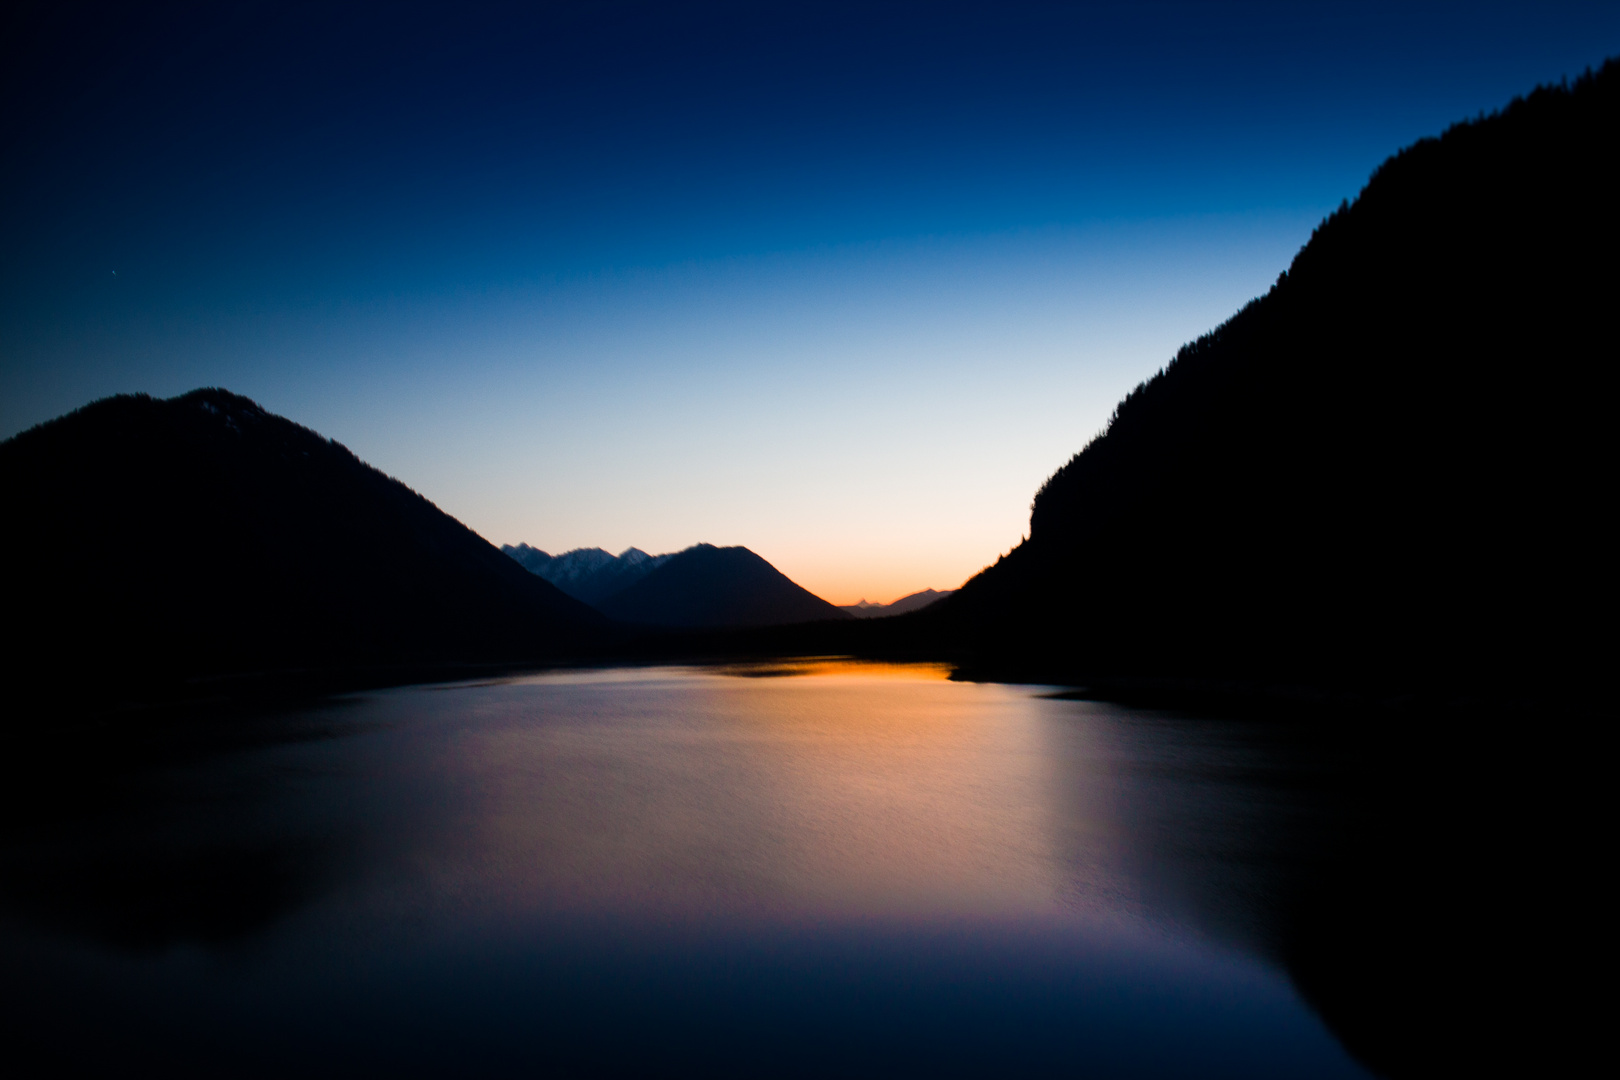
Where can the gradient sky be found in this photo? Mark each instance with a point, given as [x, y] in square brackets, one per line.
[841, 283]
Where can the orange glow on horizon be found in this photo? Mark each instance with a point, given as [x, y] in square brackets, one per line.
[844, 585]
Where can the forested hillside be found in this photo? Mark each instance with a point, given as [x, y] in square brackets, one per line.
[1390, 469]
[153, 542]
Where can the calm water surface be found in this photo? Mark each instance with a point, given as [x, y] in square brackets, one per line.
[798, 869]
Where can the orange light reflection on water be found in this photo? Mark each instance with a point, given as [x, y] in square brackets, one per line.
[846, 666]
[815, 787]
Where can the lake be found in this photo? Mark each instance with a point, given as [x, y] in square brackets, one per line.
[809, 868]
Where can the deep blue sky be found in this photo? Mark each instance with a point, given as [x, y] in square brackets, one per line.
[843, 283]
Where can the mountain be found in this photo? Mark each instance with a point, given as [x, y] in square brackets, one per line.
[703, 586]
[569, 566]
[1388, 472]
[154, 541]
[914, 602]
[708, 586]
[588, 574]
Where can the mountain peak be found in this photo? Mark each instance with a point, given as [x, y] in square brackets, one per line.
[709, 586]
[249, 543]
[588, 574]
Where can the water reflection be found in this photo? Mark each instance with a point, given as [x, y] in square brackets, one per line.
[789, 868]
[1208, 826]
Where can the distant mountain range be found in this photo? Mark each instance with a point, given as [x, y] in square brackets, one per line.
[588, 574]
[914, 602]
[244, 543]
[702, 587]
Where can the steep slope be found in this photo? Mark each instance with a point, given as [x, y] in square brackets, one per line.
[707, 586]
[1390, 469]
[588, 574]
[152, 541]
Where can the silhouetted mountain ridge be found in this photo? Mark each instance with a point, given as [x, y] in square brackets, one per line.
[1388, 470]
[245, 543]
[588, 574]
[707, 586]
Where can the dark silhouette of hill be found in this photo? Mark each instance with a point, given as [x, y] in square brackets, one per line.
[588, 574]
[1388, 473]
[913, 602]
[707, 586]
[154, 541]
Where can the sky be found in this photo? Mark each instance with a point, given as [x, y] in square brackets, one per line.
[843, 283]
